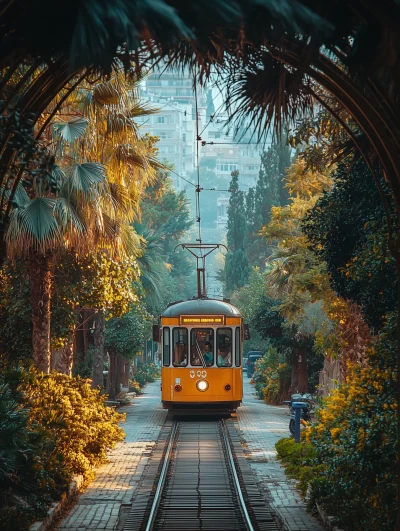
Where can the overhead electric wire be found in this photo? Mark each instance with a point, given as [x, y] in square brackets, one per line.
[198, 217]
[181, 177]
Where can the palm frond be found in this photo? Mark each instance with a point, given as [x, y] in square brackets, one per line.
[84, 178]
[68, 217]
[72, 130]
[118, 122]
[142, 109]
[106, 94]
[33, 226]
[20, 197]
[265, 94]
[122, 201]
[128, 154]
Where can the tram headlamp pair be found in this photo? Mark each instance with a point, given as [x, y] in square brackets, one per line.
[202, 385]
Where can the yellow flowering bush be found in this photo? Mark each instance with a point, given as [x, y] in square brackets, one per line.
[355, 439]
[76, 417]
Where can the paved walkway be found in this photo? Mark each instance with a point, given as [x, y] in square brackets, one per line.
[98, 507]
[261, 426]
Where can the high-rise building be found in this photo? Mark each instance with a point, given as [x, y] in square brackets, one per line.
[173, 94]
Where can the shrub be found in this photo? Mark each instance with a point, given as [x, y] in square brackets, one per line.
[32, 471]
[76, 416]
[300, 460]
[146, 373]
[355, 439]
[271, 377]
[134, 387]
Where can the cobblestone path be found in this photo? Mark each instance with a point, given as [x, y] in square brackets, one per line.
[262, 426]
[98, 507]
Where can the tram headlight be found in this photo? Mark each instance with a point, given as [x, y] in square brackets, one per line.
[202, 385]
[178, 387]
[227, 387]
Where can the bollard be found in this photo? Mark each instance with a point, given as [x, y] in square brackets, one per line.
[297, 406]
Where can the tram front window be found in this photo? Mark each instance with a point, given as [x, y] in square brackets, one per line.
[224, 344]
[202, 350]
[180, 342]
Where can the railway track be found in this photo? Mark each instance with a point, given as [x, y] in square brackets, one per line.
[198, 479]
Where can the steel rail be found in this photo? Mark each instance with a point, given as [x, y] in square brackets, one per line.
[235, 477]
[161, 480]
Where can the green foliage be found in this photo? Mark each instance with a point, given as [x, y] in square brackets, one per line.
[355, 439]
[146, 373]
[269, 191]
[300, 460]
[348, 230]
[15, 313]
[76, 417]
[125, 335]
[134, 387]
[83, 367]
[237, 269]
[165, 213]
[32, 470]
[93, 281]
[272, 376]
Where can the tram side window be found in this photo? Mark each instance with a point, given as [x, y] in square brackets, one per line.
[237, 347]
[180, 344]
[166, 348]
[224, 345]
[202, 347]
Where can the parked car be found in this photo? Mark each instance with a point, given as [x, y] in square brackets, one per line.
[252, 357]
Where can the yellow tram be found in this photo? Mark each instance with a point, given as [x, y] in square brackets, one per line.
[201, 351]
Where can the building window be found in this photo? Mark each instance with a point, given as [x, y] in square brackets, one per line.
[163, 119]
[227, 166]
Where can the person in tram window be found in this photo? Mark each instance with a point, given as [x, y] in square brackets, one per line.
[208, 354]
[180, 354]
[224, 355]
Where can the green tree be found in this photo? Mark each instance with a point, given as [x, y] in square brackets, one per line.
[237, 267]
[270, 191]
[348, 230]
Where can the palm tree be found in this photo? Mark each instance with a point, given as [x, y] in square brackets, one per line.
[81, 205]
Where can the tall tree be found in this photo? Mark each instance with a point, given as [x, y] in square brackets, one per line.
[270, 191]
[237, 267]
[77, 204]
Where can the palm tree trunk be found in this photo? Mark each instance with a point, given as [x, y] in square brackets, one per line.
[98, 353]
[65, 358]
[40, 287]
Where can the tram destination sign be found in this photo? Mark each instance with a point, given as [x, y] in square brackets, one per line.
[202, 319]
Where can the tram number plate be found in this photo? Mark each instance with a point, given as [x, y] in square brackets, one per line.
[199, 374]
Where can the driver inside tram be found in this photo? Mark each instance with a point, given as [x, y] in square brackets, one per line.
[224, 355]
[180, 354]
[208, 354]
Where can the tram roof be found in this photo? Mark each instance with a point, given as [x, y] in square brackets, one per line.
[201, 307]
